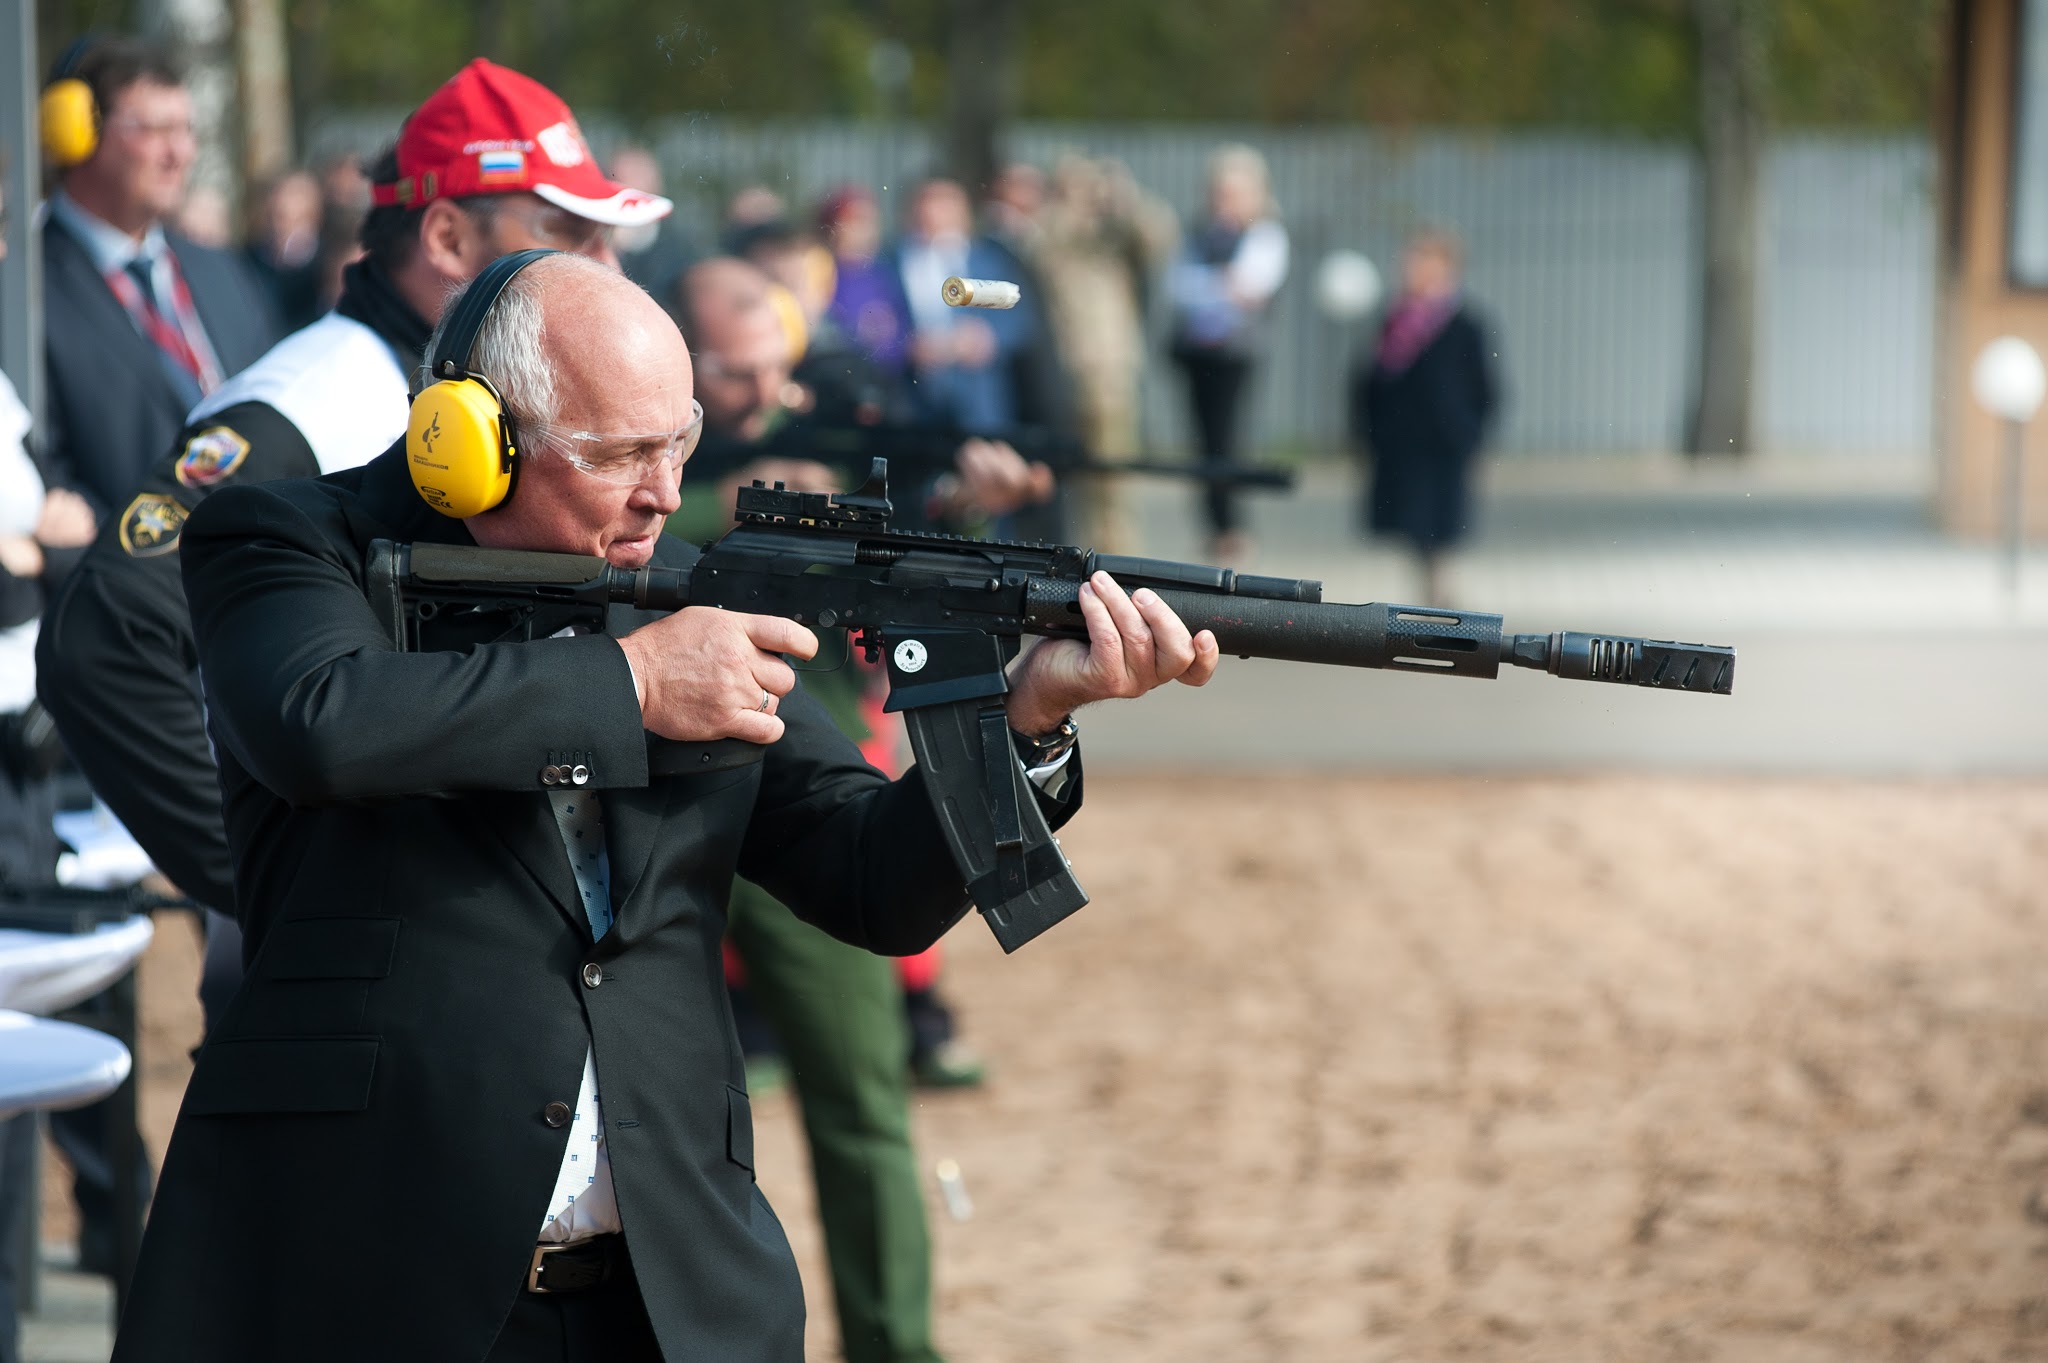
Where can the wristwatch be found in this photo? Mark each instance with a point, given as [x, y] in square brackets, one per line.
[1047, 748]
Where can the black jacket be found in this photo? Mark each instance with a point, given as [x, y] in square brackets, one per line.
[111, 409]
[1422, 427]
[362, 1163]
[115, 662]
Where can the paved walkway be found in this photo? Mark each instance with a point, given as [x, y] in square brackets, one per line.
[1870, 643]
[74, 1321]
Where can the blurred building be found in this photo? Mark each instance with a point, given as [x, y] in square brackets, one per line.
[1994, 233]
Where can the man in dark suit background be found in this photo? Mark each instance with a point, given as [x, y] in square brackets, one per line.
[377, 1155]
[140, 323]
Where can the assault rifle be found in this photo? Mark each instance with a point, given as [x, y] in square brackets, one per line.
[920, 451]
[947, 613]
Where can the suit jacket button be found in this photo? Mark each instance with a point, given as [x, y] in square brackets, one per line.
[556, 1114]
[579, 775]
[551, 776]
[593, 975]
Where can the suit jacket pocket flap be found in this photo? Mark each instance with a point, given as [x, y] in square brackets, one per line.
[282, 1074]
[739, 1129]
[330, 949]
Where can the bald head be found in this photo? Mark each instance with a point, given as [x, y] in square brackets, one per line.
[594, 373]
[740, 341]
[569, 334]
[714, 292]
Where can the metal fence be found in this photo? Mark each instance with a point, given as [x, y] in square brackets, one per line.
[1583, 253]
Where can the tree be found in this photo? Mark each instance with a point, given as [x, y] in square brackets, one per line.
[1734, 72]
[981, 91]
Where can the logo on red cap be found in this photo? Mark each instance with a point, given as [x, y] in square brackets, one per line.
[479, 134]
[562, 143]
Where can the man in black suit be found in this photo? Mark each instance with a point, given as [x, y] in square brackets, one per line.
[378, 1154]
[140, 323]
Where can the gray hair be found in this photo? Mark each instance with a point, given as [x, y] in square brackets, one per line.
[511, 348]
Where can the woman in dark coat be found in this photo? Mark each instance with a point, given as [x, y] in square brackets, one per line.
[1421, 406]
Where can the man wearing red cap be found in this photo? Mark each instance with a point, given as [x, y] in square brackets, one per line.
[491, 163]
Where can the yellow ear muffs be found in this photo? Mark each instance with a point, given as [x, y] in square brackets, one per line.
[69, 122]
[461, 444]
[458, 446]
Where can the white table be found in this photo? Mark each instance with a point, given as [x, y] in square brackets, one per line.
[42, 972]
[55, 1065]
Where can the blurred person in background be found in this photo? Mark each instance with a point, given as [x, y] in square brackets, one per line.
[344, 201]
[1010, 215]
[1232, 263]
[962, 359]
[835, 382]
[841, 1018]
[284, 246]
[1040, 372]
[205, 218]
[867, 305]
[1102, 240]
[1421, 405]
[42, 532]
[652, 254]
[750, 206]
[140, 322]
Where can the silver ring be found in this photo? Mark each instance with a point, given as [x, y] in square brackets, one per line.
[766, 701]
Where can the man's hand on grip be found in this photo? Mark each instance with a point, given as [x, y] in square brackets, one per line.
[701, 673]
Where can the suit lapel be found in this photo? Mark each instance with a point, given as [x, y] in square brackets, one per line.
[64, 253]
[388, 507]
[525, 824]
[632, 817]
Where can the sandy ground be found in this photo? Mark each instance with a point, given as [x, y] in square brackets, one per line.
[1533, 1069]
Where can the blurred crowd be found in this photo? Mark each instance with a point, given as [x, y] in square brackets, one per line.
[1104, 264]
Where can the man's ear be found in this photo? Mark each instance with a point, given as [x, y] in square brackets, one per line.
[449, 240]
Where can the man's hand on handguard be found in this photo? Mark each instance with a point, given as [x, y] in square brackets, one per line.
[704, 673]
[1134, 644]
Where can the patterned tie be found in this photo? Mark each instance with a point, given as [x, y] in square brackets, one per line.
[581, 822]
[174, 348]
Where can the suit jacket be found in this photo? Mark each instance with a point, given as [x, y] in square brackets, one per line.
[112, 410]
[366, 1148]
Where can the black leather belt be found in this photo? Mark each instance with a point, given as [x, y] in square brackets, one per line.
[576, 1267]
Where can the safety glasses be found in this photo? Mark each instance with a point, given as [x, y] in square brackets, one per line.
[613, 458]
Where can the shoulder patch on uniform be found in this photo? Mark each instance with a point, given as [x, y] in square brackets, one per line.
[151, 525]
[212, 456]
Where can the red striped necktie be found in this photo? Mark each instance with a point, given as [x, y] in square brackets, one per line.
[175, 331]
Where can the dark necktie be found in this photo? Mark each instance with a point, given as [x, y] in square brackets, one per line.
[145, 279]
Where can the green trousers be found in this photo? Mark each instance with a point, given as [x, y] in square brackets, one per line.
[838, 1012]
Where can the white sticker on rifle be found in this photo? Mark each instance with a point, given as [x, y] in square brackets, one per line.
[910, 656]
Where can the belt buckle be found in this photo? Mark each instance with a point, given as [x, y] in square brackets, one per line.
[539, 1260]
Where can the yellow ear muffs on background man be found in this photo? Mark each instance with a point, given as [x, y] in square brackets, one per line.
[461, 445]
[67, 115]
[70, 123]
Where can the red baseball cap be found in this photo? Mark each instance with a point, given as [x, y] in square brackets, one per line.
[490, 130]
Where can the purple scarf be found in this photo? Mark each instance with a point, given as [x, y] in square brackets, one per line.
[1411, 325]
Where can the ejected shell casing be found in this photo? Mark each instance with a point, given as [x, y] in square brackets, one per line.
[980, 293]
[952, 1187]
